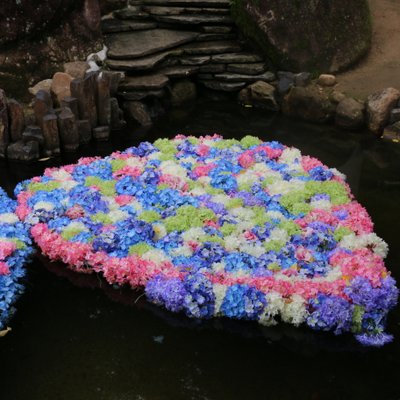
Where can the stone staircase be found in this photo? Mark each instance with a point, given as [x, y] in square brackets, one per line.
[158, 42]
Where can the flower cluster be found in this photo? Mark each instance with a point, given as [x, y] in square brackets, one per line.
[211, 227]
[15, 248]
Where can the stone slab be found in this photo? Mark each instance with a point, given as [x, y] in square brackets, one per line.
[113, 25]
[236, 58]
[192, 19]
[230, 77]
[142, 43]
[145, 82]
[211, 48]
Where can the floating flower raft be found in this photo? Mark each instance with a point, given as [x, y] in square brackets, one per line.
[212, 227]
[15, 248]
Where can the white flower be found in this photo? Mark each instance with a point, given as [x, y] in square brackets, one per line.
[289, 155]
[8, 218]
[135, 162]
[353, 242]
[285, 187]
[275, 304]
[159, 231]
[278, 234]
[172, 168]
[43, 205]
[253, 249]
[75, 225]
[219, 293]
[184, 250]
[321, 205]
[155, 255]
[294, 311]
[61, 175]
[117, 215]
[221, 198]
[337, 173]
[194, 234]
[68, 185]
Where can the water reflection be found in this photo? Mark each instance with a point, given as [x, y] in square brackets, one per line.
[87, 341]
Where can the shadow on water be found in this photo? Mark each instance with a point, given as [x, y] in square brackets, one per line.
[74, 337]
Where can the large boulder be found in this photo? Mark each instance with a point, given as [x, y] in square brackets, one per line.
[309, 103]
[350, 114]
[379, 107]
[259, 94]
[38, 36]
[319, 35]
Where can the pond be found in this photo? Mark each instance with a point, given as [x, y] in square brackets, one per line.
[75, 338]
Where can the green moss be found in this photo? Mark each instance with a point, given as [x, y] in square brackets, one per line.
[45, 186]
[234, 203]
[358, 314]
[188, 217]
[246, 186]
[101, 218]
[224, 144]
[341, 232]
[106, 188]
[260, 216]
[250, 141]
[116, 165]
[69, 233]
[227, 229]
[273, 245]
[290, 227]
[139, 248]
[211, 239]
[149, 216]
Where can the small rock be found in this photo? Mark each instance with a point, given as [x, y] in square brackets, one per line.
[42, 85]
[72, 104]
[68, 130]
[336, 96]
[42, 105]
[285, 84]
[183, 92]
[4, 124]
[33, 133]
[309, 103]
[392, 132]
[60, 86]
[101, 133]
[302, 79]
[259, 94]
[286, 74]
[21, 151]
[212, 68]
[247, 68]
[350, 114]
[76, 69]
[223, 86]
[395, 115]
[17, 119]
[50, 134]
[327, 80]
[138, 112]
[379, 107]
[84, 131]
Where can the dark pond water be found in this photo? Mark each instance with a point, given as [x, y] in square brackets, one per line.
[77, 339]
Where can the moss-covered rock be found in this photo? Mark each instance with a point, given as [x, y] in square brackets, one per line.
[314, 35]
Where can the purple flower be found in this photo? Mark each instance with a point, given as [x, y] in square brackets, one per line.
[377, 340]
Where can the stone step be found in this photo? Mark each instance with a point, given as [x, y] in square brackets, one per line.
[141, 64]
[216, 29]
[247, 68]
[186, 3]
[223, 86]
[192, 19]
[113, 25]
[205, 37]
[145, 82]
[195, 60]
[159, 10]
[179, 71]
[141, 94]
[237, 58]
[209, 48]
[131, 13]
[142, 43]
[231, 77]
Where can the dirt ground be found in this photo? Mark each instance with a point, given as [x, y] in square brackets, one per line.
[381, 67]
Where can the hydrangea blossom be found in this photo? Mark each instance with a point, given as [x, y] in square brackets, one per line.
[15, 248]
[212, 227]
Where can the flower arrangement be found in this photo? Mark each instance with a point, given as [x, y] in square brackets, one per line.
[211, 227]
[15, 248]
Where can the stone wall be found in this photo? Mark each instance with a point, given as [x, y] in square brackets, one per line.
[317, 35]
[38, 36]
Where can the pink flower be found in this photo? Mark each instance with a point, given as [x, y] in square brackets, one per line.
[6, 249]
[246, 159]
[202, 150]
[308, 163]
[203, 170]
[123, 199]
[4, 268]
